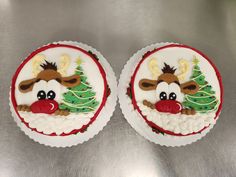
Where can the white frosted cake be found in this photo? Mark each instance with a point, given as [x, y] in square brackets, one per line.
[174, 91]
[60, 90]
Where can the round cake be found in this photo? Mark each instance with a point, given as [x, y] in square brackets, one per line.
[63, 94]
[172, 95]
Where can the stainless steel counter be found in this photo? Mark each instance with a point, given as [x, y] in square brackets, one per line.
[118, 29]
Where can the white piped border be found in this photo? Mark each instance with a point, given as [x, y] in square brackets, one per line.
[135, 119]
[93, 129]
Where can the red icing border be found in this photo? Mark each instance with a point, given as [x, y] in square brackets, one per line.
[150, 123]
[84, 127]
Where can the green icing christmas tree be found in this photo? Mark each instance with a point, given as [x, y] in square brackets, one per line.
[80, 98]
[204, 100]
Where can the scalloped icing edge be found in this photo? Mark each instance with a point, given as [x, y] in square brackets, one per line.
[97, 126]
[135, 119]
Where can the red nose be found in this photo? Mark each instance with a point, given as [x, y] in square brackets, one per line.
[44, 106]
[170, 106]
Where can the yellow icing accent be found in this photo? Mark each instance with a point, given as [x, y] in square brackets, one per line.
[183, 68]
[153, 67]
[78, 61]
[64, 64]
[195, 60]
[36, 61]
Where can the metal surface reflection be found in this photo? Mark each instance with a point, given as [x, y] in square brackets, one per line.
[118, 29]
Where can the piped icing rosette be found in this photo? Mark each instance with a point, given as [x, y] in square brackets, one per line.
[178, 123]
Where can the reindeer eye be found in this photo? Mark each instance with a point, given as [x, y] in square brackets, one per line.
[163, 96]
[51, 95]
[172, 96]
[41, 95]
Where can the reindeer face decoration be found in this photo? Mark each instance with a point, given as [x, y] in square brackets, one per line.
[46, 85]
[169, 90]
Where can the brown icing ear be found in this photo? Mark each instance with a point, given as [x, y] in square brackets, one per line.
[190, 87]
[71, 81]
[26, 85]
[146, 84]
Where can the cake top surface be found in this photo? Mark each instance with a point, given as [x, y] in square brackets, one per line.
[59, 89]
[176, 86]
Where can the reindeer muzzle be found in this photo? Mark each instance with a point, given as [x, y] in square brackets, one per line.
[169, 106]
[45, 106]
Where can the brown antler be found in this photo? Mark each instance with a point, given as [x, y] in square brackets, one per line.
[188, 111]
[25, 108]
[148, 104]
[62, 112]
